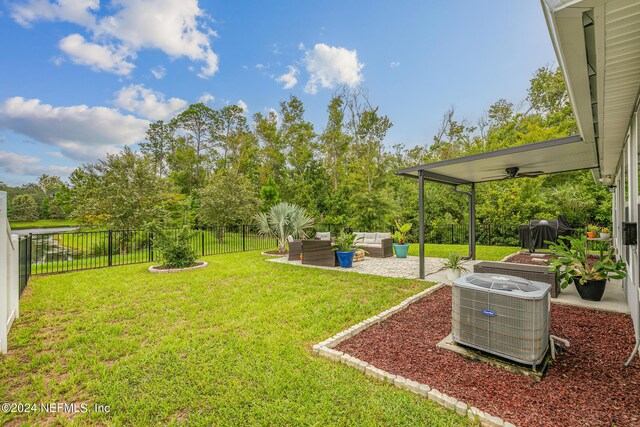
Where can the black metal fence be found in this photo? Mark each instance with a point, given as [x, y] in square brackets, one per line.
[453, 234]
[62, 252]
[24, 259]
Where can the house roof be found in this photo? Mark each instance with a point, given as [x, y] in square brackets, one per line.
[546, 157]
[597, 43]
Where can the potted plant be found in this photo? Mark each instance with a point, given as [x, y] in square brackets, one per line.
[592, 230]
[454, 266]
[572, 265]
[401, 247]
[605, 233]
[345, 247]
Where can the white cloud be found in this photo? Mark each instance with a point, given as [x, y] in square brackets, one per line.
[98, 57]
[148, 103]
[206, 98]
[177, 28]
[394, 64]
[260, 66]
[79, 131]
[19, 164]
[242, 105]
[76, 11]
[159, 72]
[301, 46]
[331, 66]
[289, 78]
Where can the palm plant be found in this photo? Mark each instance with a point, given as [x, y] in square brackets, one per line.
[283, 220]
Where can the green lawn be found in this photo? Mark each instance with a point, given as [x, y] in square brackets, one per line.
[226, 345]
[43, 223]
[485, 253]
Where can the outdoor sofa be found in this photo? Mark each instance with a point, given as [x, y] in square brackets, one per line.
[377, 245]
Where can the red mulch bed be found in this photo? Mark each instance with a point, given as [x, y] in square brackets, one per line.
[525, 258]
[587, 386]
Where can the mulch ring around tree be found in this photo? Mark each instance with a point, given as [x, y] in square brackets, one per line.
[587, 386]
[275, 253]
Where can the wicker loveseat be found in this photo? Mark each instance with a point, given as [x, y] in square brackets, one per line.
[377, 245]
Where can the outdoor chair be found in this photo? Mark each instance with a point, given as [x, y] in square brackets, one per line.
[318, 252]
[295, 249]
[323, 235]
[377, 245]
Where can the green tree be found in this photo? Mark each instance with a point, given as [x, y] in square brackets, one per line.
[122, 192]
[334, 142]
[23, 208]
[269, 194]
[273, 157]
[160, 137]
[227, 199]
[196, 122]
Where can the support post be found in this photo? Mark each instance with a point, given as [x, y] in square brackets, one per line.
[421, 222]
[472, 222]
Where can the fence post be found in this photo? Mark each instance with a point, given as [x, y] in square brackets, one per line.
[151, 246]
[489, 239]
[110, 252]
[452, 238]
[202, 242]
[29, 256]
[244, 235]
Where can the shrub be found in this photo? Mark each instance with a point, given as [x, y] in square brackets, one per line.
[174, 249]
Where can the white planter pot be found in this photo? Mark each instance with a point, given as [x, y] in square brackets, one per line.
[453, 274]
[605, 235]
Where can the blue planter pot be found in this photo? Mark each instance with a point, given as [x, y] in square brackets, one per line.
[345, 259]
[401, 250]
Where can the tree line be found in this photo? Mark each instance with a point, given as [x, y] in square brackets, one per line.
[217, 166]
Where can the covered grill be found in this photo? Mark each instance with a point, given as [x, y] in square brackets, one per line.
[534, 235]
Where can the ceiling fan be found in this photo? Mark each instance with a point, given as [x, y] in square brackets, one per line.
[514, 172]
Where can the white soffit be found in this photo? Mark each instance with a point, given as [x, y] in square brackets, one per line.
[608, 33]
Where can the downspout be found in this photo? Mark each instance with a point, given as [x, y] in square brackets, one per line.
[472, 219]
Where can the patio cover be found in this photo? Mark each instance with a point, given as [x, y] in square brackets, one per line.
[557, 155]
[554, 156]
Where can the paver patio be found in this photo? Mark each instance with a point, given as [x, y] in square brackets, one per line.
[404, 268]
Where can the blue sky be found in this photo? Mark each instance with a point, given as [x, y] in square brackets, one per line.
[82, 78]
